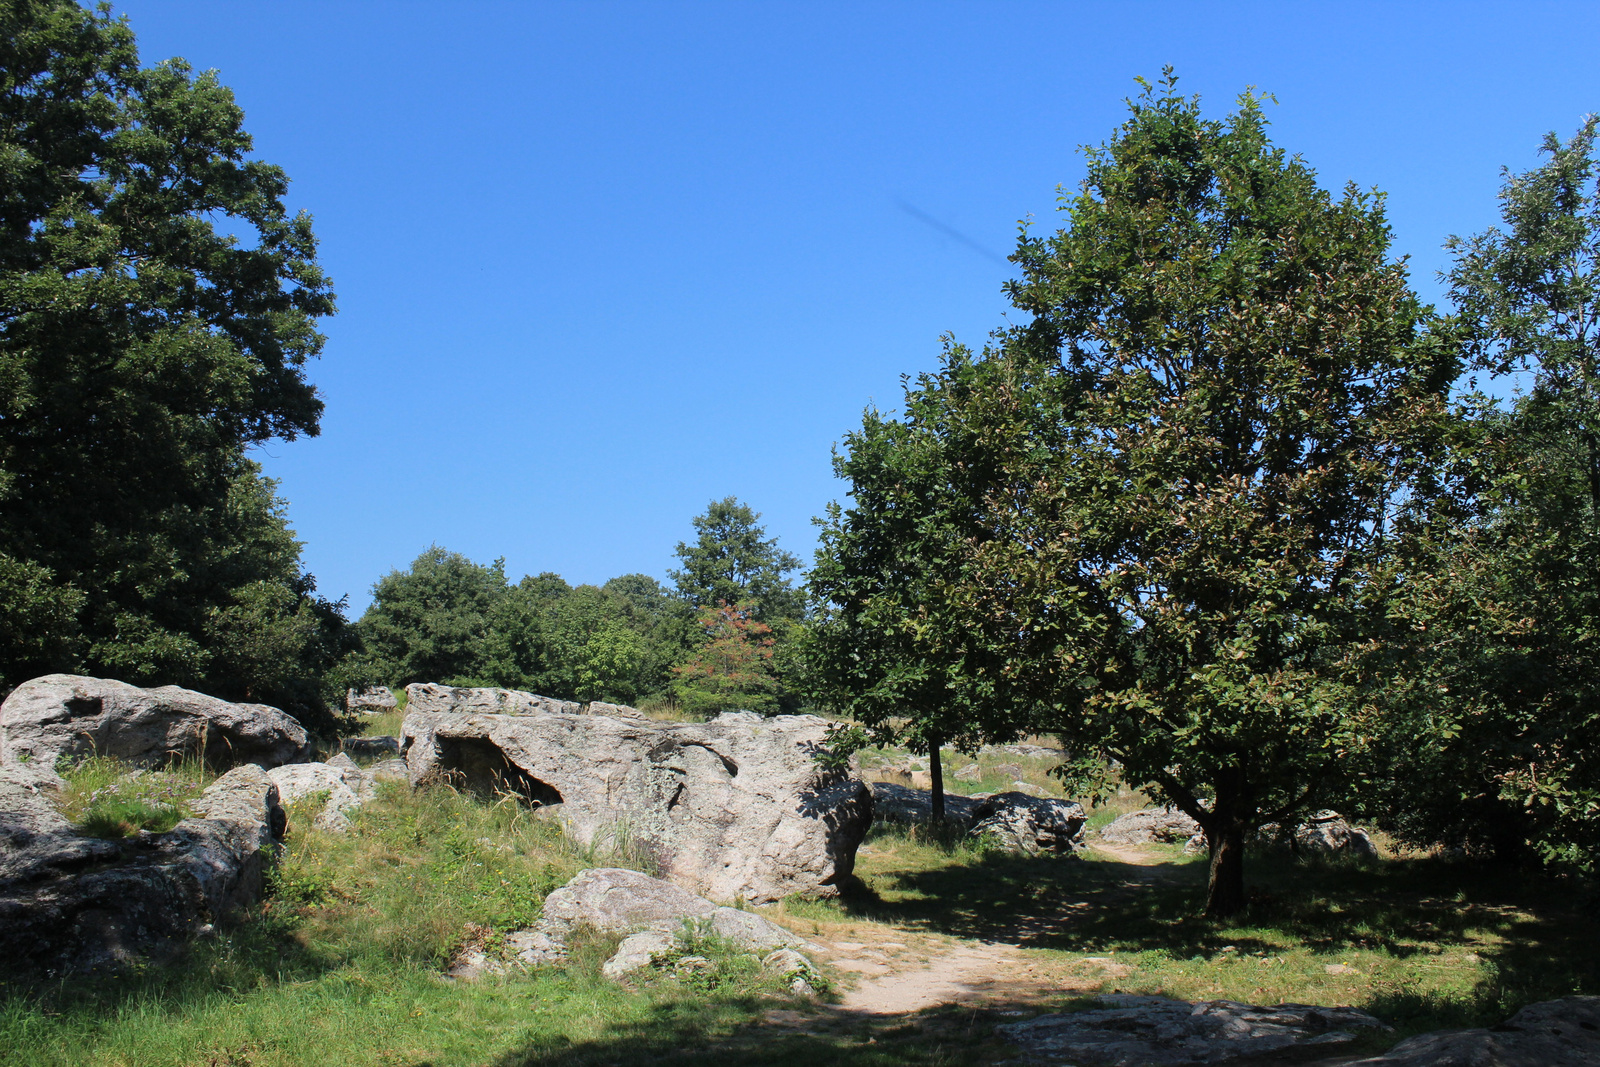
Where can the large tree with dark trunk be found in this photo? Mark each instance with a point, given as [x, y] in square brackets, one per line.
[1185, 470]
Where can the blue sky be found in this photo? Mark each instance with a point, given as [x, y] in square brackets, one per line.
[600, 263]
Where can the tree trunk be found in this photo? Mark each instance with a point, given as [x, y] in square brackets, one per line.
[936, 774]
[1225, 890]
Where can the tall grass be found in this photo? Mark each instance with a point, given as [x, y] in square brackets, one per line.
[105, 797]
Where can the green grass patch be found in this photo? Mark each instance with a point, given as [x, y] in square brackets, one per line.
[104, 797]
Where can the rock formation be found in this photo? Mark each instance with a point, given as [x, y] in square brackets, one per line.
[70, 715]
[656, 915]
[1165, 826]
[1159, 1031]
[347, 786]
[1553, 1033]
[70, 903]
[1018, 822]
[372, 701]
[733, 808]
[431, 699]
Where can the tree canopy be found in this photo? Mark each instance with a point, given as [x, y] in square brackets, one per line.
[732, 561]
[142, 349]
[1184, 468]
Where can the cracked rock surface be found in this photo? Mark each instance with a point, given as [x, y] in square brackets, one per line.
[1136, 1031]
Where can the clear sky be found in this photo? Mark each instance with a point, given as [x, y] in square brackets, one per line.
[600, 263]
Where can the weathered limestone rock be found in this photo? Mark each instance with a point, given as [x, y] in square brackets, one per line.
[1018, 822]
[1553, 1033]
[368, 747]
[70, 903]
[1325, 833]
[732, 808]
[653, 914]
[67, 714]
[1135, 1031]
[347, 786]
[389, 770]
[373, 701]
[902, 804]
[1151, 826]
[430, 699]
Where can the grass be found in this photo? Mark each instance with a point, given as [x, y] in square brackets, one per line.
[344, 960]
[104, 797]
[384, 725]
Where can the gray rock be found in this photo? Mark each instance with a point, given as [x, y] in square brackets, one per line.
[1018, 822]
[638, 951]
[70, 715]
[429, 699]
[73, 904]
[389, 770]
[733, 808]
[1552, 1033]
[656, 915]
[1151, 826]
[1324, 833]
[972, 772]
[615, 711]
[347, 788]
[373, 701]
[368, 747]
[1135, 1031]
[902, 804]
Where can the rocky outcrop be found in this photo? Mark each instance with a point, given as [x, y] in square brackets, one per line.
[892, 802]
[736, 808]
[1158, 1031]
[1018, 822]
[1553, 1033]
[375, 700]
[346, 785]
[368, 747]
[70, 715]
[658, 917]
[71, 904]
[429, 699]
[1324, 833]
[1152, 826]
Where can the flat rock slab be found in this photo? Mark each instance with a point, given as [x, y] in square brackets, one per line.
[1552, 1033]
[72, 715]
[1135, 1031]
[735, 808]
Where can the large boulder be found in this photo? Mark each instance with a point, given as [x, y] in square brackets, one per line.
[733, 808]
[1161, 1031]
[656, 915]
[1552, 1033]
[1152, 826]
[70, 903]
[892, 802]
[1018, 822]
[346, 785]
[374, 700]
[431, 699]
[70, 715]
[1324, 833]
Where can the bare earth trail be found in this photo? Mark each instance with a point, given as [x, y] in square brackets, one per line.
[904, 971]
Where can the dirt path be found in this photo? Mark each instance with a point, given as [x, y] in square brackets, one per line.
[901, 972]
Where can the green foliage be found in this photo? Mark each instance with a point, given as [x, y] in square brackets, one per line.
[732, 562]
[1492, 708]
[1173, 487]
[732, 669]
[141, 350]
[430, 623]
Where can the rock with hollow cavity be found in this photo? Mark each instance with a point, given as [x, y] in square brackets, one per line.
[1159, 1031]
[735, 808]
[71, 904]
[73, 716]
[1152, 826]
[1552, 1033]
[1018, 822]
